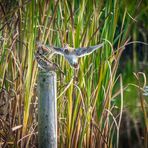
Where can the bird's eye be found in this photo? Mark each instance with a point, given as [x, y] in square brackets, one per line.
[66, 51]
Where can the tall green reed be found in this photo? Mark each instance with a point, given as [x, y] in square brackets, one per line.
[85, 109]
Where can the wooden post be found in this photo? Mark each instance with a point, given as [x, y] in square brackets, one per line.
[47, 109]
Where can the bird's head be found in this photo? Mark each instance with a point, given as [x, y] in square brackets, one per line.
[42, 49]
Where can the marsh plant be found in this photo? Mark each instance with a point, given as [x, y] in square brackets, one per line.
[92, 111]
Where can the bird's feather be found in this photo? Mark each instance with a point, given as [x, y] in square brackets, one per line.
[80, 52]
[58, 50]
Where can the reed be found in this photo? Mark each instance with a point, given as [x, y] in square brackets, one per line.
[90, 100]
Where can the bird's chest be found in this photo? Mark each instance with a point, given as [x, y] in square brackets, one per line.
[71, 58]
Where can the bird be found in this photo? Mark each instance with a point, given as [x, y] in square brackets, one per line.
[72, 54]
[44, 63]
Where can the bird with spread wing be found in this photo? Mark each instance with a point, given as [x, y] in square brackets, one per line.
[71, 54]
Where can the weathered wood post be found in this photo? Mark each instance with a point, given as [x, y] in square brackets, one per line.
[47, 109]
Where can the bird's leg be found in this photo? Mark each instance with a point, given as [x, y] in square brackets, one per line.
[75, 76]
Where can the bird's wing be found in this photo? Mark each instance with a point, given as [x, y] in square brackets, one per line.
[48, 48]
[56, 50]
[80, 52]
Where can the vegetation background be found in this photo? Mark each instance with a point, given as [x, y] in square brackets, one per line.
[104, 103]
